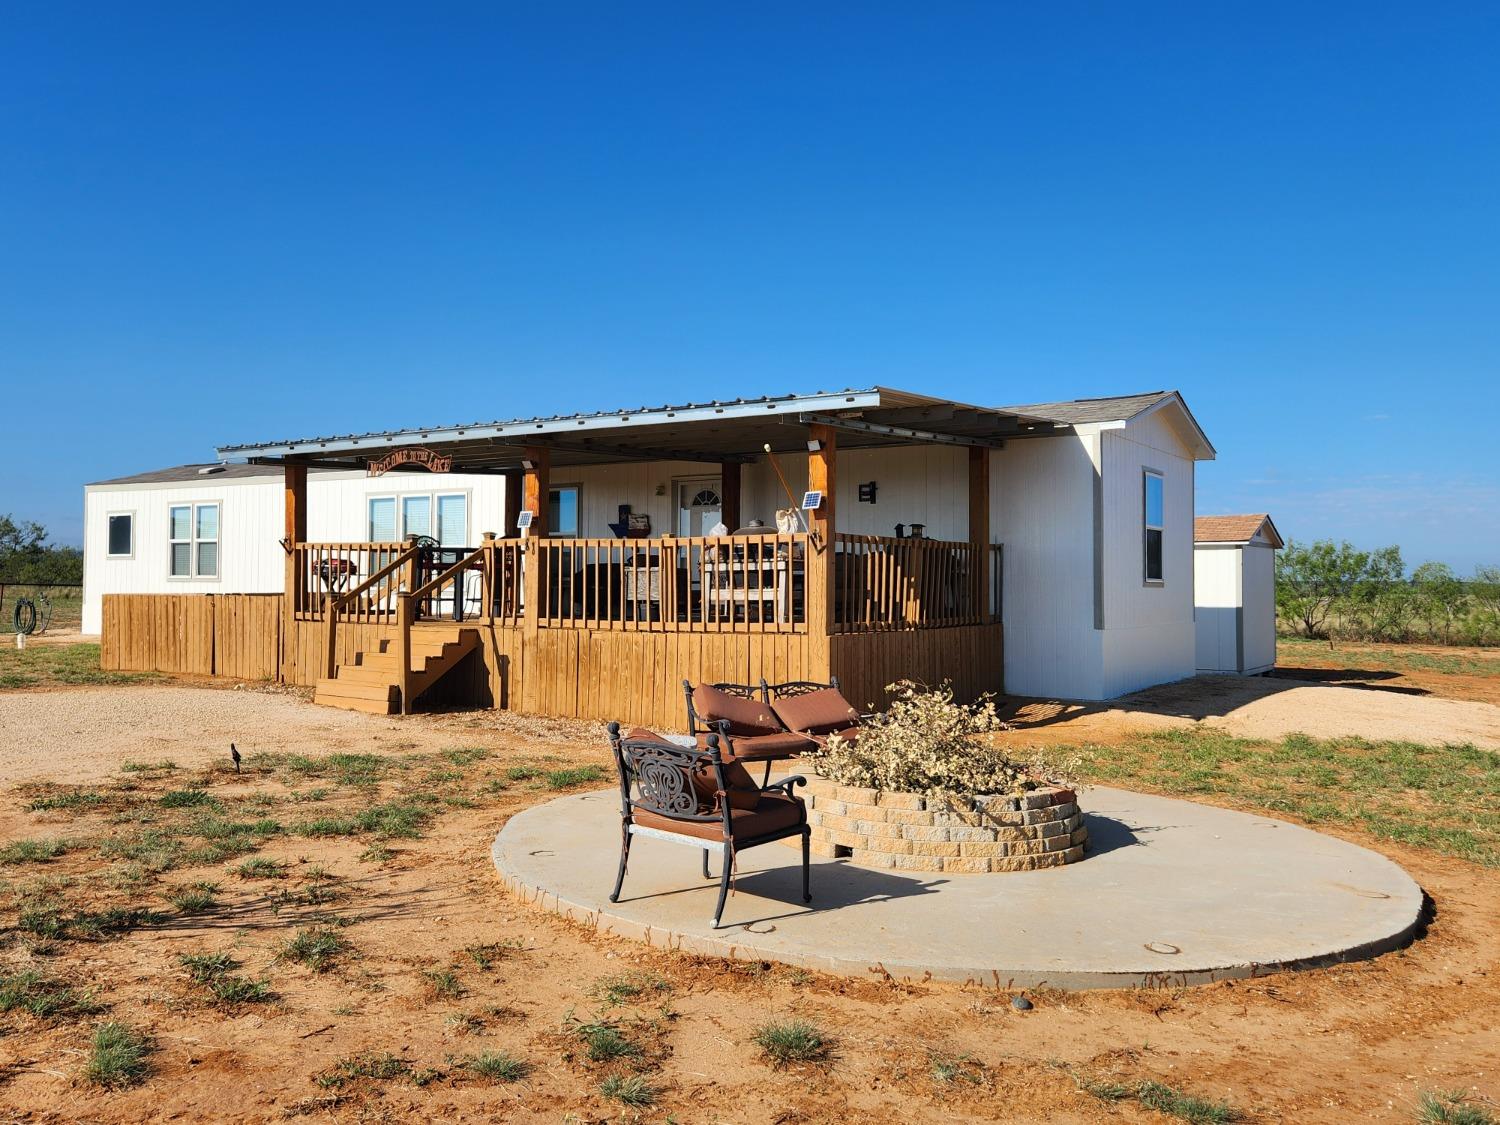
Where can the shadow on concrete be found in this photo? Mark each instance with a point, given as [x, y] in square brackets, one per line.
[1106, 834]
[835, 884]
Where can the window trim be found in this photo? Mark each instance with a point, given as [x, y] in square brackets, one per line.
[130, 515]
[554, 533]
[193, 540]
[1146, 527]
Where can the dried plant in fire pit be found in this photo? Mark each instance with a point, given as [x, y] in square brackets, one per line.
[925, 742]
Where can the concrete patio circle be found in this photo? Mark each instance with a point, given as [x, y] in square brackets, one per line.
[1171, 892]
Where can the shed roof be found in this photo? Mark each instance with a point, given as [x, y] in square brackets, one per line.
[723, 430]
[1235, 529]
[216, 470]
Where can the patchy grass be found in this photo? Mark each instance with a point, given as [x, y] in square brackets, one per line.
[1444, 798]
[163, 766]
[1185, 1107]
[627, 987]
[261, 868]
[48, 921]
[522, 773]
[497, 1066]
[443, 984]
[42, 996]
[577, 775]
[379, 1066]
[949, 1070]
[117, 1056]
[1451, 1108]
[633, 1091]
[194, 898]
[400, 819]
[32, 851]
[466, 755]
[187, 799]
[238, 990]
[486, 954]
[204, 967]
[66, 800]
[1387, 657]
[61, 665]
[603, 1041]
[792, 1041]
[318, 948]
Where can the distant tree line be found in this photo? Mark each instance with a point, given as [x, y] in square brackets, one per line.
[27, 557]
[1335, 591]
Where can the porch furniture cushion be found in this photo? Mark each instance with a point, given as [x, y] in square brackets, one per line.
[772, 813]
[817, 712]
[766, 747]
[748, 717]
[742, 791]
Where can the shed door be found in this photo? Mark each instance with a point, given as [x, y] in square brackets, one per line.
[699, 506]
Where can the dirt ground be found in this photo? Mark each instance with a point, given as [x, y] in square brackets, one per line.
[1350, 1043]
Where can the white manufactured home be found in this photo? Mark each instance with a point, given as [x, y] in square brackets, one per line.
[585, 564]
[1234, 582]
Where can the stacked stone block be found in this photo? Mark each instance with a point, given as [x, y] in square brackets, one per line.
[960, 835]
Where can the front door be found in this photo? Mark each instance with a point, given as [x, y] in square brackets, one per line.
[698, 506]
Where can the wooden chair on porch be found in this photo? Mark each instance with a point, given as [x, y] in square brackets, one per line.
[689, 796]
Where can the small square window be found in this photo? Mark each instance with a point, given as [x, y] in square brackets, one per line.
[562, 511]
[121, 536]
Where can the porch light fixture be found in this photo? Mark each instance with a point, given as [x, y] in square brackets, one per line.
[814, 445]
[528, 464]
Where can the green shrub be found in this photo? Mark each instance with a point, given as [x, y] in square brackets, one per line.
[117, 1056]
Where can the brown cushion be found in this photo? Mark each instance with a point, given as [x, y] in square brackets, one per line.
[772, 813]
[770, 747]
[818, 712]
[742, 791]
[746, 716]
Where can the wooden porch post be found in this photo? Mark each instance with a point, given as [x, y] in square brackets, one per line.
[822, 476]
[729, 494]
[295, 509]
[979, 528]
[513, 489]
[538, 485]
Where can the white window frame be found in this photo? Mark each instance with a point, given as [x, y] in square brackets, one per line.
[192, 541]
[554, 533]
[130, 515]
[399, 500]
[1147, 527]
[395, 504]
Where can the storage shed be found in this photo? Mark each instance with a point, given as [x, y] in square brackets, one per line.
[1234, 593]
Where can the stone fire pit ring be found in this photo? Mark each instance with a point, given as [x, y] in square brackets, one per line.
[961, 835]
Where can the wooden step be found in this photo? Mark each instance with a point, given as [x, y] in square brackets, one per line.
[371, 681]
[356, 689]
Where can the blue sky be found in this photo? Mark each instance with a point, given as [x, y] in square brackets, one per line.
[226, 223]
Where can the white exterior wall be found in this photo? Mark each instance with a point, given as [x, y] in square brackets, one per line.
[251, 523]
[1080, 620]
[1148, 628]
[1216, 590]
[923, 484]
[1235, 592]
[1042, 510]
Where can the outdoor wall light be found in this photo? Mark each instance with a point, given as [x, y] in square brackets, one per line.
[528, 464]
[814, 445]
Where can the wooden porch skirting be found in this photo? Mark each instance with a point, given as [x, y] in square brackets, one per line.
[234, 635]
[604, 674]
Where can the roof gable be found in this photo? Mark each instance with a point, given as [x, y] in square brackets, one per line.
[1236, 529]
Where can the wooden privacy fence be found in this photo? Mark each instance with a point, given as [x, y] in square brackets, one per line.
[236, 635]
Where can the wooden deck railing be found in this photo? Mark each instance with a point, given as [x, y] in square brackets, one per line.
[730, 584]
[880, 583]
[748, 583]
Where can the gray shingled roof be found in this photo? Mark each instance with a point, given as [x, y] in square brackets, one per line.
[1079, 411]
[193, 473]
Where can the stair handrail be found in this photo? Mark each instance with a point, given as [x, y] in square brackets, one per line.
[406, 616]
[395, 564]
[333, 603]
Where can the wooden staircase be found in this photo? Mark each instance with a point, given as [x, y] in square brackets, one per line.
[372, 681]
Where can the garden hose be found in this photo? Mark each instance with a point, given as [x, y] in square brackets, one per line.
[24, 616]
